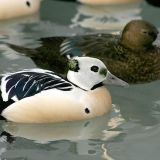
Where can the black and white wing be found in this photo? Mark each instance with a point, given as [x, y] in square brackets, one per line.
[27, 83]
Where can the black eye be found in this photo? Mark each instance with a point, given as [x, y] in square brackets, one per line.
[94, 68]
[144, 31]
[28, 3]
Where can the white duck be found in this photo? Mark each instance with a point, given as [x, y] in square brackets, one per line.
[17, 8]
[42, 96]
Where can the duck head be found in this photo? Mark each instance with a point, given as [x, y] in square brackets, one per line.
[87, 72]
[138, 35]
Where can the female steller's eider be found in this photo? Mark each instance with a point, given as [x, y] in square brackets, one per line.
[42, 96]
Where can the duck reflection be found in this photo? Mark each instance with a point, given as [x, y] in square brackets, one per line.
[73, 131]
[83, 137]
[111, 17]
[13, 31]
[141, 103]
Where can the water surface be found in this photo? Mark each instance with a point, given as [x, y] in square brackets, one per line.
[130, 132]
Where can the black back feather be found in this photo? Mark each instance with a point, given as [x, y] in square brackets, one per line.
[28, 83]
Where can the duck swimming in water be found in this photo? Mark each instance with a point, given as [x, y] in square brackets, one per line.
[42, 96]
[132, 56]
[18, 8]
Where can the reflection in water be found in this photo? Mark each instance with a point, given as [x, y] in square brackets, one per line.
[82, 130]
[105, 155]
[111, 18]
[87, 136]
[140, 142]
[131, 134]
[11, 62]
[141, 103]
[107, 2]
[13, 30]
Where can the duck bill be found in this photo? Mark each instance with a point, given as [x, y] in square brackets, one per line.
[113, 80]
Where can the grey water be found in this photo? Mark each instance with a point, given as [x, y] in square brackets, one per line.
[129, 132]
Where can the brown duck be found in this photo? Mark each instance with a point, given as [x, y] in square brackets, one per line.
[130, 55]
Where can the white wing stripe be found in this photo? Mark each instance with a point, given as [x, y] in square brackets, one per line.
[30, 82]
[3, 88]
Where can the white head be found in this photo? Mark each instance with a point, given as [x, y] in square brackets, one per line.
[86, 72]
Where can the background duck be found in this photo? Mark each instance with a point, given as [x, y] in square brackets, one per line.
[106, 2]
[17, 8]
[132, 56]
[42, 96]
[102, 17]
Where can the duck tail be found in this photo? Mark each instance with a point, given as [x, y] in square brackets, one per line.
[22, 50]
[3, 104]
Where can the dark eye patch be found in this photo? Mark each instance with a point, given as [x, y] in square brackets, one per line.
[94, 68]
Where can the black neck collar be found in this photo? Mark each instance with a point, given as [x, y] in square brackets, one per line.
[94, 87]
[97, 85]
